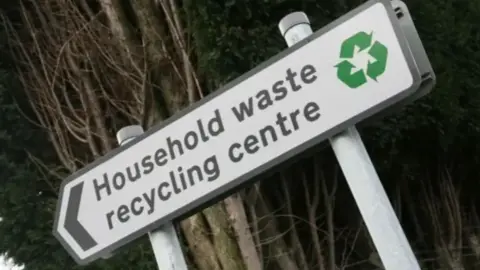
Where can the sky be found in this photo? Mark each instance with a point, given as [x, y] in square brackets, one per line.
[3, 264]
[6, 265]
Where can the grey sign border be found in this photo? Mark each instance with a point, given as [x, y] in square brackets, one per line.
[262, 168]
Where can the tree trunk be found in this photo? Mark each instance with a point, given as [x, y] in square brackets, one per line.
[164, 53]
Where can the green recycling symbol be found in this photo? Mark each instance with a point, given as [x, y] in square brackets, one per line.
[376, 68]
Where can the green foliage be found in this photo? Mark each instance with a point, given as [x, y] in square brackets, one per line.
[408, 147]
[445, 124]
[230, 38]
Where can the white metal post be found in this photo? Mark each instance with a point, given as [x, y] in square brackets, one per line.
[165, 243]
[370, 196]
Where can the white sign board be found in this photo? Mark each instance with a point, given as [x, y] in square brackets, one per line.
[347, 71]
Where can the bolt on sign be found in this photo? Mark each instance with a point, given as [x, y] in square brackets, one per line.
[286, 105]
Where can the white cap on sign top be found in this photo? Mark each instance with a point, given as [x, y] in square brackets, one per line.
[294, 27]
[291, 20]
[128, 133]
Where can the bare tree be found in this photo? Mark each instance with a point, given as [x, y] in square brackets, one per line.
[90, 69]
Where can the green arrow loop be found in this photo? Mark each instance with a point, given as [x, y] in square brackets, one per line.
[360, 39]
[380, 53]
[344, 73]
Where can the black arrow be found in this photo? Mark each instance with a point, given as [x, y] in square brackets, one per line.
[72, 225]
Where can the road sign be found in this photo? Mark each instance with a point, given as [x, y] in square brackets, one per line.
[286, 105]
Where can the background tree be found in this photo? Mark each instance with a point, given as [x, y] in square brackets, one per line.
[80, 70]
